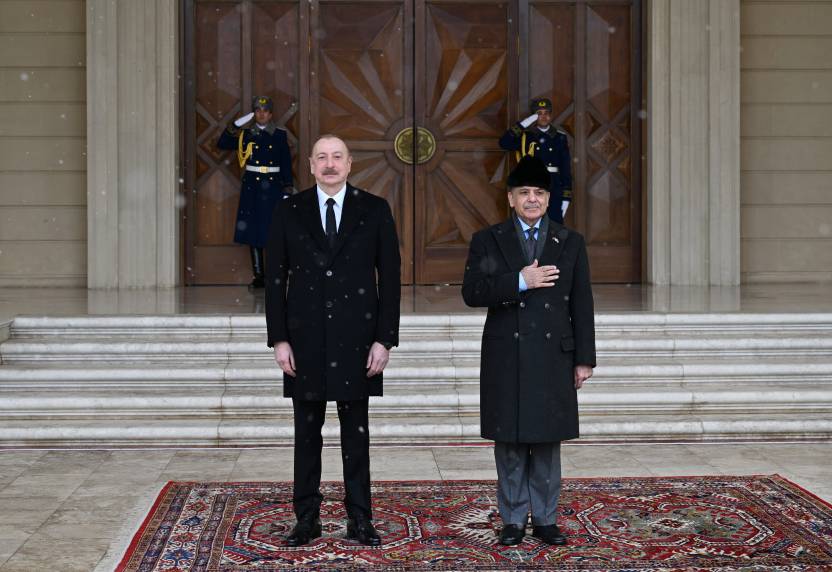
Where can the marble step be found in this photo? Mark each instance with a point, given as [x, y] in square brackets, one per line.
[15, 350]
[223, 401]
[432, 325]
[395, 430]
[63, 375]
[210, 380]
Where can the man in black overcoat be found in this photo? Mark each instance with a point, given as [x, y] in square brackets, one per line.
[332, 309]
[538, 348]
[263, 154]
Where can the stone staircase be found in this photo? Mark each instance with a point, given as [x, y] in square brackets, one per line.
[210, 380]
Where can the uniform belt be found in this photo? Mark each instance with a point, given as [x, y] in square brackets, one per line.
[552, 169]
[258, 169]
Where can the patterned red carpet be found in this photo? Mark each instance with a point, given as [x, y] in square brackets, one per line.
[682, 523]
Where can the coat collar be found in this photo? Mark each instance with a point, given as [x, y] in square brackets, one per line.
[353, 212]
[351, 215]
[312, 217]
[506, 235]
[555, 241]
[270, 128]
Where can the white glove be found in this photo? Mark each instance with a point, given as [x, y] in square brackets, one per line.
[529, 120]
[563, 206]
[244, 119]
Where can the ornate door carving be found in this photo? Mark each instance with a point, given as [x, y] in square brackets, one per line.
[595, 87]
[361, 85]
[459, 72]
[464, 65]
[237, 49]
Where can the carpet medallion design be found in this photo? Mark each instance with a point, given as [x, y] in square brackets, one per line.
[639, 524]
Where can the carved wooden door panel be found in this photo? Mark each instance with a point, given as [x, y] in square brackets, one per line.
[462, 71]
[595, 87]
[609, 209]
[465, 70]
[237, 50]
[361, 86]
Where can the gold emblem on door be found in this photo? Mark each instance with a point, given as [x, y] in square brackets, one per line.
[425, 145]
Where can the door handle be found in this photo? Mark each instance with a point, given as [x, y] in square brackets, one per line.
[425, 145]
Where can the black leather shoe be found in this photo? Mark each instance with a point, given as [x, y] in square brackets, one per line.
[549, 534]
[362, 530]
[305, 531]
[512, 534]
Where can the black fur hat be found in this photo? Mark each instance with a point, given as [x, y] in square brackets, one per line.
[529, 172]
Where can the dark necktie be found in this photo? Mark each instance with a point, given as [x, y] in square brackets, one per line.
[531, 244]
[331, 229]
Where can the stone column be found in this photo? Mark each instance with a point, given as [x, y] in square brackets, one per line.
[102, 145]
[133, 150]
[693, 195]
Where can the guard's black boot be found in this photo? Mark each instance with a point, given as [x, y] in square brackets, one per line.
[257, 267]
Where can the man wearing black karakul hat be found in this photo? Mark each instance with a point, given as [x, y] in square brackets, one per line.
[538, 348]
[537, 136]
[263, 153]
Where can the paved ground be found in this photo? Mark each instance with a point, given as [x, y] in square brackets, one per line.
[65, 510]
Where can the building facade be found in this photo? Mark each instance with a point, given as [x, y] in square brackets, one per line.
[721, 152]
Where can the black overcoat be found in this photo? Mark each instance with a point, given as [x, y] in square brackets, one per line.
[260, 192]
[327, 303]
[532, 340]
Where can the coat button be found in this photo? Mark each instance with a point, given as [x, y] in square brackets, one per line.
[546, 305]
[548, 336]
[516, 335]
[522, 304]
[328, 304]
[329, 272]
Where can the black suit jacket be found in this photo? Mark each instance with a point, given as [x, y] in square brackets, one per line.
[326, 302]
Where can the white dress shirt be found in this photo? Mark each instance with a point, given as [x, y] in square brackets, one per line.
[338, 207]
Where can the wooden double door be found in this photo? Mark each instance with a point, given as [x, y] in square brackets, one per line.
[421, 91]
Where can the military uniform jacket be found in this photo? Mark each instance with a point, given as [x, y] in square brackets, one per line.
[259, 191]
[326, 303]
[531, 340]
[552, 147]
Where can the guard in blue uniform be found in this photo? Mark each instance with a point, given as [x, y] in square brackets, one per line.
[536, 136]
[263, 152]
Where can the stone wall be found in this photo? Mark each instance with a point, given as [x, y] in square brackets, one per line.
[786, 143]
[786, 127]
[43, 215]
